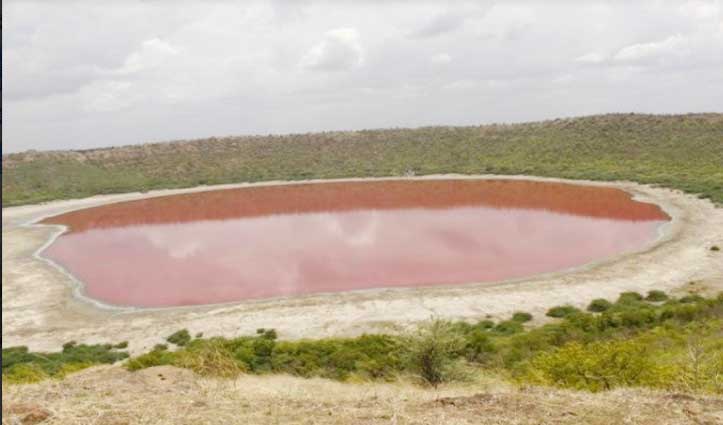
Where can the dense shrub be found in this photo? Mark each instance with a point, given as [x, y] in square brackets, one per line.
[598, 366]
[599, 305]
[20, 365]
[562, 311]
[628, 297]
[179, 338]
[508, 327]
[693, 298]
[656, 296]
[485, 324]
[478, 346]
[521, 317]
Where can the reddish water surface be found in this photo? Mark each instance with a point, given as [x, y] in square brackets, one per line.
[229, 245]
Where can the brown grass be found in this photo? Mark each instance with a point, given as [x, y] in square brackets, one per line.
[166, 395]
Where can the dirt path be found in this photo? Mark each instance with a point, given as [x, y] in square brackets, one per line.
[42, 307]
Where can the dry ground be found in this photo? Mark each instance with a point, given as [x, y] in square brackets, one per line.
[42, 308]
[110, 395]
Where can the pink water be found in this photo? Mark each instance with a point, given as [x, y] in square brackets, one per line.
[231, 245]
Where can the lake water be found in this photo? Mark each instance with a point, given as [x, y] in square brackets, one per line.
[269, 241]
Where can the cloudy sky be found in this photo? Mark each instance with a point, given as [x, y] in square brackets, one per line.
[80, 74]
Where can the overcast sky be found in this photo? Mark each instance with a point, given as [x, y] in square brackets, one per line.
[80, 74]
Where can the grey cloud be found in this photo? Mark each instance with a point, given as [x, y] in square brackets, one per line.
[440, 24]
[132, 71]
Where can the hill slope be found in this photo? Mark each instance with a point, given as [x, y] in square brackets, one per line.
[109, 395]
[678, 151]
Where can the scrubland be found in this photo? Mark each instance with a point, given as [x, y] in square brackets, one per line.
[636, 351]
[677, 151]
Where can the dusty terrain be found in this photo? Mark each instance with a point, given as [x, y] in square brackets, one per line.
[110, 395]
[43, 306]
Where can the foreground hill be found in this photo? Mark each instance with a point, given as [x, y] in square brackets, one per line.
[110, 395]
[678, 151]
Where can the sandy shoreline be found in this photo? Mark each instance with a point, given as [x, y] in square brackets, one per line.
[43, 306]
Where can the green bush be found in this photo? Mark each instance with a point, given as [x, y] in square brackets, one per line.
[599, 305]
[656, 296]
[478, 346]
[21, 365]
[485, 324]
[508, 327]
[715, 248]
[598, 366]
[521, 317]
[562, 311]
[628, 297]
[692, 298]
[179, 338]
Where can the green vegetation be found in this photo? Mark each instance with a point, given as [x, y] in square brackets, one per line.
[674, 344]
[633, 342]
[521, 317]
[22, 366]
[433, 352]
[715, 248]
[656, 296]
[562, 311]
[682, 152]
[629, 297]
[179, 338]
[599, 305]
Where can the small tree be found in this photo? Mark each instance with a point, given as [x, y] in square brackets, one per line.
[433, 351]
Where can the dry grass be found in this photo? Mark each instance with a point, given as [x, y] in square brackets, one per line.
[166, 395]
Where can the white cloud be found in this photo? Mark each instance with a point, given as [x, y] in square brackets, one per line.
[672, 45]
[152, 53]
[340, 50]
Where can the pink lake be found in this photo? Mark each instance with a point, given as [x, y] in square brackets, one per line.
[270, 241]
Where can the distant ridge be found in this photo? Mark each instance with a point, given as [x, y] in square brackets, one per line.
[677, 151]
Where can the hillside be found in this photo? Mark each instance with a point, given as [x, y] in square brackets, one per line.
[677, 151]
[110, 395]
